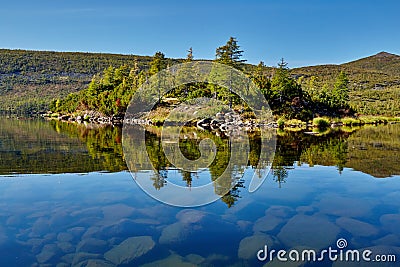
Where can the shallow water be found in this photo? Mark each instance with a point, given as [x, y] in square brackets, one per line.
[99, 215]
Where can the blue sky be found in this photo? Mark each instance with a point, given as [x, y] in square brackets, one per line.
[303, 32]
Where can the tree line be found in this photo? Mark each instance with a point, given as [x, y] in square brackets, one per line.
[110, 92]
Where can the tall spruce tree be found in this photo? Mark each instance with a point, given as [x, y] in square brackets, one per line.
[230, 54]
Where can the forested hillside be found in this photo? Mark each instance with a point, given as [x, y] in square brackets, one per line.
[31, 80]
[374, 82]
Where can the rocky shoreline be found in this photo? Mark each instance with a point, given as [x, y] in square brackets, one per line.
[221, 121]
[89, 117]
[229, 123]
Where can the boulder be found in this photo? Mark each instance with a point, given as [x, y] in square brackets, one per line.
[174, 233]
[172, 260]
[65, 237]
[92, 245]
[249, 246]
[98, 263]
[344, 206]
[117, 211]
[190, 216]
[36, 244]
[81, 258]
[267, 223]
[76, 232]
[311, 231]
[130, 249]
[49, 251]
[279, 211]
[356, 227]
[66, 247]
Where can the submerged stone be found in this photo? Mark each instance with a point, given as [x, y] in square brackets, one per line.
[66, 247]
[92, 245]
[146, 221]
[172, 260]
[82, 257]
[190, 216]
[194, 258]
[49, 251]
[98, 263]
[174, 233]
[356, 227]
[76, 232]
[249, 246]
[117, 212]
[344, 206]
[65, 237]
[279, 211]
[39, 228]
[311, 231]
[130, 249]
[267, 223]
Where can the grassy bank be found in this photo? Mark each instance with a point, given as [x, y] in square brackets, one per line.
[325, 122]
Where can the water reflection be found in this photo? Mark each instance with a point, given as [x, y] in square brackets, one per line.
[37, 146]
[217, 155]
[103, 219]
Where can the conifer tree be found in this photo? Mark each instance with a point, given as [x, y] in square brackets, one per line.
[230, 54]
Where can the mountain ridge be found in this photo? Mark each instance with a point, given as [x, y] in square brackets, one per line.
[30, 79]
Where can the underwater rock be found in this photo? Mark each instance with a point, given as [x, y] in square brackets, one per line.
[267, 223]
[249, 246]
[311, 231]
[130, 249]
[92, 245]
[81, 258]
[49, 251]
[356, 227]
[172, 260]
[344, 206]
[116, 212]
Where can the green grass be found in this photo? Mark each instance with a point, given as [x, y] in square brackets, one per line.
[321, 122]
[351, 121]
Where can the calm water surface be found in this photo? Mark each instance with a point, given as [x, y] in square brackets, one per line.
[67, 199]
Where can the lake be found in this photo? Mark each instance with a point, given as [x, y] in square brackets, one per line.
[68, 199]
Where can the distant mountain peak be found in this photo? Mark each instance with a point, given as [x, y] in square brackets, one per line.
[385, 54]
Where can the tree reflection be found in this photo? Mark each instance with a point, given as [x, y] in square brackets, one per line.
[37, 146]
[224, 174]
[159, 179]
